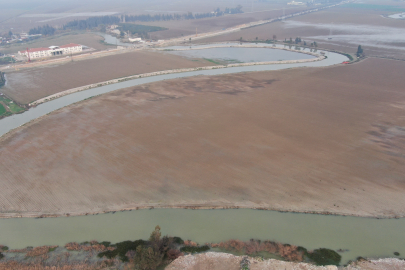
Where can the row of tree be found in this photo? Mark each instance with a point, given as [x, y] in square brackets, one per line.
[45, 30]
[186, 16]
[92, 22]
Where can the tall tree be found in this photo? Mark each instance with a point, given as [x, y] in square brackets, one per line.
[359, 51]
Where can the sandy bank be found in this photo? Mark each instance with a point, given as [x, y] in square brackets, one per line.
[223, 261]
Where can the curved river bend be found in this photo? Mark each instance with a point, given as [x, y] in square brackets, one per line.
[360, 236]
[14, 121]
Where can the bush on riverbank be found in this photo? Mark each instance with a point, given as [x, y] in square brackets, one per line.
[121, 250]
[324, 256]
[197, 249]
[254, 247]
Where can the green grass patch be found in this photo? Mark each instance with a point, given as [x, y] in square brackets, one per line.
[375, 7]
[139, 28]
[3, 110]
[52, 249]
[6, 60]
[14, 108]
[212, 61]
[324, 256]
[195, 249]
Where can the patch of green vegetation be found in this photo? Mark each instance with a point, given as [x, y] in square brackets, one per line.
[178, 240]
[105, 243]
[324, 256]
[4, 248]
[52, 249]
[14, 108]
[198, 249]
[375, 7]
[121, 249]
[1, 256]
[3, 110]
[212, 61]
[7, 60]
[139, 28]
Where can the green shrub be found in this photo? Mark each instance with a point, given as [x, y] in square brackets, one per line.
[105, 243]
[324, 256]
[302, 249]
[121, 249]
[178, 240]
[189, 249]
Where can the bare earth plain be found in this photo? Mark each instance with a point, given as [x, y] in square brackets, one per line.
[326, 140]
[25, 86]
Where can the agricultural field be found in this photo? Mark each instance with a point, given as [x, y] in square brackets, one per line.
[84, 38]
[25, 86]
[179, 28]
[11, 105]
[340, 28]
[139, 28]
[307, 140]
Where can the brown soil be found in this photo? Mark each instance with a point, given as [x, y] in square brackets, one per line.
[26, 86]
[329, 140]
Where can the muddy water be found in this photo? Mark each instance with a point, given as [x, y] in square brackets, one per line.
[360, 236]
[14, 121]
[113, 40]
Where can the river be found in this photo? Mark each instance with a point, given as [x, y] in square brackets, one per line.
[365, 237]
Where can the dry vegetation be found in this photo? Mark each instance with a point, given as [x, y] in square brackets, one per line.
[253, 247]
[28, 85]
[323, 140]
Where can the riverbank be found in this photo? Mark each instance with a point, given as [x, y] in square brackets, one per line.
[212, 260]
[176, 253]
[145, 75]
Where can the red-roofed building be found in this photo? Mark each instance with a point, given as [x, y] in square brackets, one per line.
[52, 51]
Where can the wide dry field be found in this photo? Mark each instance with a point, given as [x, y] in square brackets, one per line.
[25, 86]
[337, 28]
[320, 139]
[189, 27]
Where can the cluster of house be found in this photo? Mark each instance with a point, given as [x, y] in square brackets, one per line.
[52, 51]
[13, 38]
[113, 29]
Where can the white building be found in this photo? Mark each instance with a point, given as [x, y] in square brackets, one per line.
[293, 3]
[52, 51]
[135, 39]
